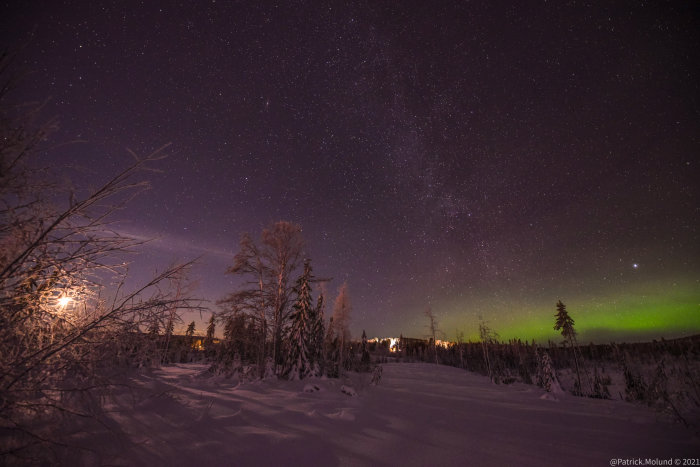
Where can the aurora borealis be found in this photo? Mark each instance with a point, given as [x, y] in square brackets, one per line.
[479, 158]
[645, 312]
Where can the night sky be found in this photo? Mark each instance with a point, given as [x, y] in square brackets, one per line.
[481, 158]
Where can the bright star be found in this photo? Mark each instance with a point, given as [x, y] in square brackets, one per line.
[635, 265]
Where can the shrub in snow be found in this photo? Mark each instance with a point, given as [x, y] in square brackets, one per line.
[524, 373]
[600, 385]
[349, 390]
[673, 390]
[315, 370]
[231, 367]
[635, 386]
[546, 378]
[269, 369]
[249, 372]
[548, 396]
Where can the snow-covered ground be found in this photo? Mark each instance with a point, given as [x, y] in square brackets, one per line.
[419, 414]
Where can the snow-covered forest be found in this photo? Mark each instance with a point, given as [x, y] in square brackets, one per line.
[94, 372]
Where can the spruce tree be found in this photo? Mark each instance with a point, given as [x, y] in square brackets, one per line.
[189, 334]
[565, 324]
[365, 360]
[210, 350]
[330, 351]
[302, 333]
[189, 343]
[545, 373]
[211, 329]
[169, 330]
[341, 321]
[318, 334]
[235, 337]
[154, 328]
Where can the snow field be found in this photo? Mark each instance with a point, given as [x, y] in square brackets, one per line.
[419, 414]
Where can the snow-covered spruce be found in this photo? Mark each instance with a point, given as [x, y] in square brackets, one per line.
[303, 332]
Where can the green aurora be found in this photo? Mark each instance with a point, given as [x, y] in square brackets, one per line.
[641, 313]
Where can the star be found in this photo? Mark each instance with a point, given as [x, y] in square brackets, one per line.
[442, 155]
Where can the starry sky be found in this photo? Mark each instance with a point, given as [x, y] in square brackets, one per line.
[484, 159]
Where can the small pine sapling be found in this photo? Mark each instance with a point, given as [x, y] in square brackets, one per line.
[600, 385]
[376, 375]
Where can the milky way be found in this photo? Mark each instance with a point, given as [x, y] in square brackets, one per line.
[479, 158]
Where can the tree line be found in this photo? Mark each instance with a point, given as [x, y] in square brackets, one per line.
[661, 374]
